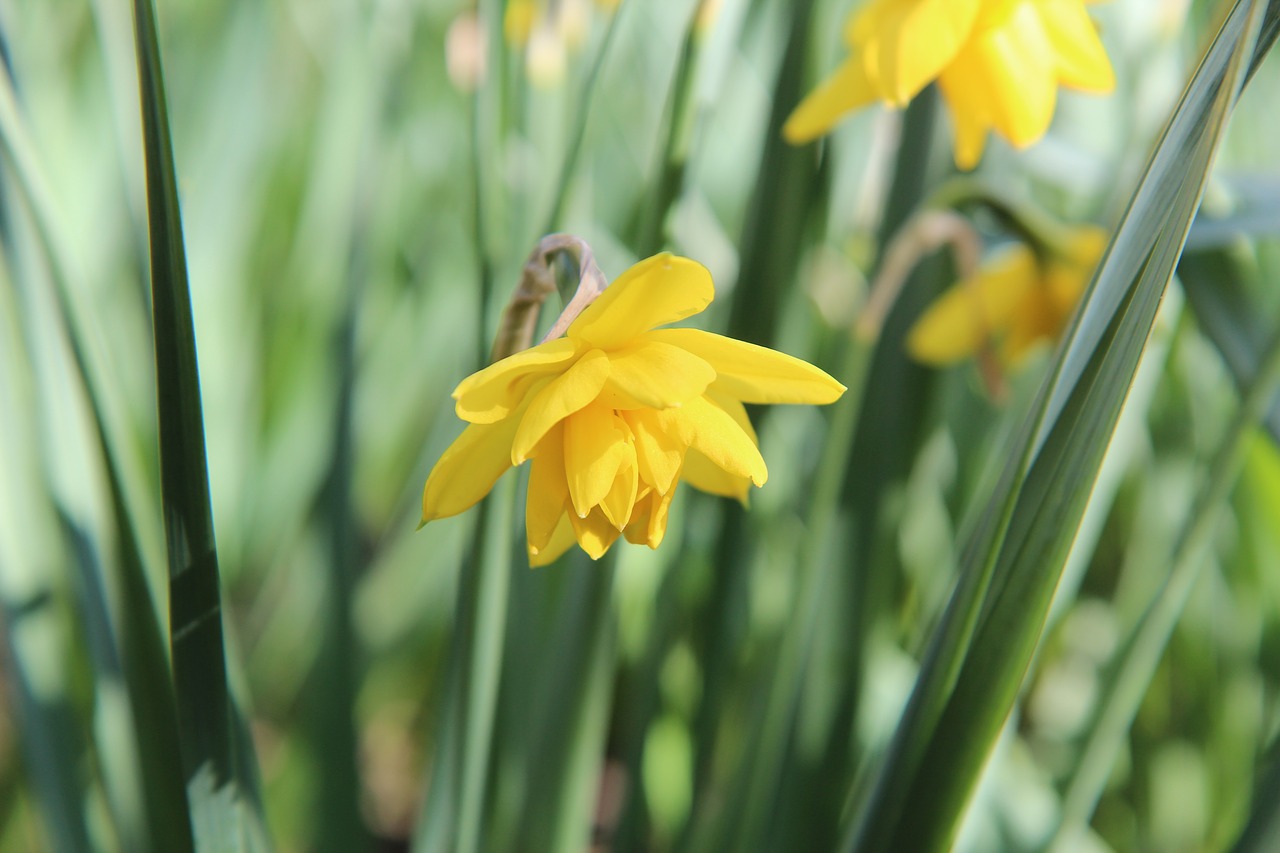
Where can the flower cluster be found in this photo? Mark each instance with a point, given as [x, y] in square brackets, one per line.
[1018, 299]
[998, 64]
[616, 413]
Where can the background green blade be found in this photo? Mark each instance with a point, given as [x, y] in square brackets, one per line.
[974, 668]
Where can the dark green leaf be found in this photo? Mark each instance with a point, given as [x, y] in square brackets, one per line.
[222, 791]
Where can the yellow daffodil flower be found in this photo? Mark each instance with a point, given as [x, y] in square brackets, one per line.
[1018, 299]
[998, 63]
[616, 413]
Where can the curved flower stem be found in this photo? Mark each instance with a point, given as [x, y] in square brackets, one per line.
[922, 235]
[538, 280]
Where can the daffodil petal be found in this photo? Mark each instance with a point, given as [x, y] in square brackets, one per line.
[971, 311]
[701, 473]
[617, 505]
[970, 131]
[660, 506]
[1008, 75]
[562, 539]
[846, 90]
[754, 374]
[563, 396]
[648, 525]
[705, 427]
[595, 533]
[734, 409]
[1085, 245]
[491, 394]
[1066, 277]
[548, 496]
[995, 12]
[659, 454]
[654, 292]
[467, 470]
[1036, 319]
[1082, 60]
[657, 375]
[907, 44]
[596, 447]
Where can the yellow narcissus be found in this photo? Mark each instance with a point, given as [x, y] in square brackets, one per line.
[999, 64]
[1016, 300]
[616, 413]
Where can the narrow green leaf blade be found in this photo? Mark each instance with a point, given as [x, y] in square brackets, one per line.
[225, 811]
[970, 679]
[453, 813]
[1262, 831]
[1218, 294]
[135, 636]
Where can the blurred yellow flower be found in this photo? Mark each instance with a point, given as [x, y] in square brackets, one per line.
[519, 20]
[1017, 300]
[998, 63]
[548, 32]
[616, 413]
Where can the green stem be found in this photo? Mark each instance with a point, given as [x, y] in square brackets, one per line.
[484, 626]
[565, 763]
[484, 263]
[675, 151]
[816, 566]
[574, 149]
[339, 827]
[452, 815]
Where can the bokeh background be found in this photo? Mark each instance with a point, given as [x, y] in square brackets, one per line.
[360, 185]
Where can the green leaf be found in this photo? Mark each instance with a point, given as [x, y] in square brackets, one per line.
[573, 150]
[782, 202]
[1262, 831]
[1226, 309]
[1255, 212]
[1128, 679]
[222, 788]
[976, 661]
[339, 828]
[131, 633]
[453, 815]
[566, 709]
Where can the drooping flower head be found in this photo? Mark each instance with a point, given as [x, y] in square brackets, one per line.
[616, 413]
[998, 63]
[1018, 299]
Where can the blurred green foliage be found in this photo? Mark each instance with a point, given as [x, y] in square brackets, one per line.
[355, 213]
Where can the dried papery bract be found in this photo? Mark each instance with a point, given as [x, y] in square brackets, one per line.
[537, 282]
